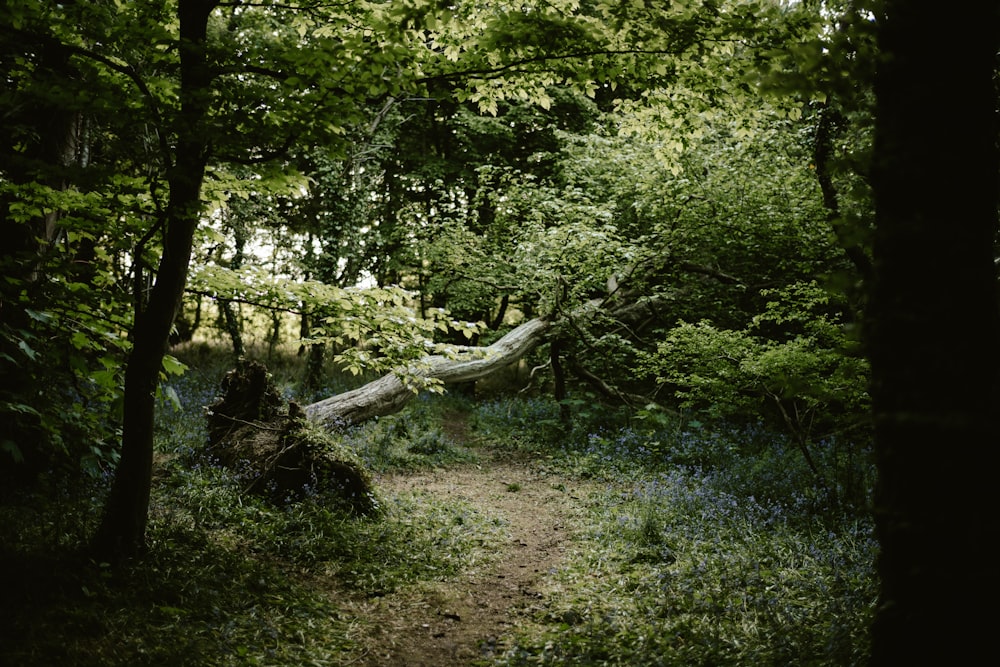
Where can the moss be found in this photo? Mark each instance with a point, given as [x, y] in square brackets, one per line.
[277, 452]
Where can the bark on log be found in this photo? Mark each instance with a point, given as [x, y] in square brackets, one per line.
[389, 394]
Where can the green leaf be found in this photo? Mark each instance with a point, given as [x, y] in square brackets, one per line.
[37, 315]
[171, 394]
[11, 448]
[28, 351]
[80, 341]
[173, 366]
[19, 408]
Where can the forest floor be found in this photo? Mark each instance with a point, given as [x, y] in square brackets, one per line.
[458, 621]
[494, 548]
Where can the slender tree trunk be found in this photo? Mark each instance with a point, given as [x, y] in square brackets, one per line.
[559, 380]
[313, 379]
[232, 323]
[822, 157]
[274, 337]
[304, 332]
[121, 534]
[934, 334]
[231, 318]
[497, 321]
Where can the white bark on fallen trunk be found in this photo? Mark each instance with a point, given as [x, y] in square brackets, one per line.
[388, 394]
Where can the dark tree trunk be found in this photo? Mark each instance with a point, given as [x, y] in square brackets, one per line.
[56, 151]
[230, 316]
[57, 132]
[822, 158]
[274, 337]
[934, 335]
[313, 379]
[304, 332]
[559, 380]
[231, 321]
[121, 534]
[497, 320]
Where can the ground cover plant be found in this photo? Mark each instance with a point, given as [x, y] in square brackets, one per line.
[712, 546]
[701, 545]
[228, 578]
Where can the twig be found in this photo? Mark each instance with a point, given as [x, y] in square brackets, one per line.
[258, 425]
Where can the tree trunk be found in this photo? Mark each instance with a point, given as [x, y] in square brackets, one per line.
[274, 337]
[559, 380]
[230, 317]
[313, 379]
[822, 159]
[121, 534]
[933, 334]
[57, 129]
[388, 394]
[233, 327]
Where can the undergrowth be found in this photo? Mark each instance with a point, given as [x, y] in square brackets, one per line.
[716, 546]
[713, 546]
[228, 578]
[413, 439]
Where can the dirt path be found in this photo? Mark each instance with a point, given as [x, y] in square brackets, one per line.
[453, 623]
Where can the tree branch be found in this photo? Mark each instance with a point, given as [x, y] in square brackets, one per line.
[514, 67]
[718, 274]
[125, 69]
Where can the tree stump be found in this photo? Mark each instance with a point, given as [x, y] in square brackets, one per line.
[275, 450]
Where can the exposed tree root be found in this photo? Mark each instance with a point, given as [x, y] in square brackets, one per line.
[273, 447]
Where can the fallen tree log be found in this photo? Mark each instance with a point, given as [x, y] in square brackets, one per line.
[389, 393]
[283, 452]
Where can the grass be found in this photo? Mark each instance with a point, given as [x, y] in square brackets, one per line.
[649, 586]
[714, 547]
[413, 439]
[711, 546]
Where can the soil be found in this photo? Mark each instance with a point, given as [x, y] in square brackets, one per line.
[456, 622]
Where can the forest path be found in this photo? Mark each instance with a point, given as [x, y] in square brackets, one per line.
[455, 622]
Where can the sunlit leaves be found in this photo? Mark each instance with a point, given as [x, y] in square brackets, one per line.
[510, 52]
[371, 329]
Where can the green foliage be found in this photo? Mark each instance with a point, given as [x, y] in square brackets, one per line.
[644, 589]
[61, 349]
[696, 211]
[373, 330]
[496, 161]
[795, 361]
[410, 440]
